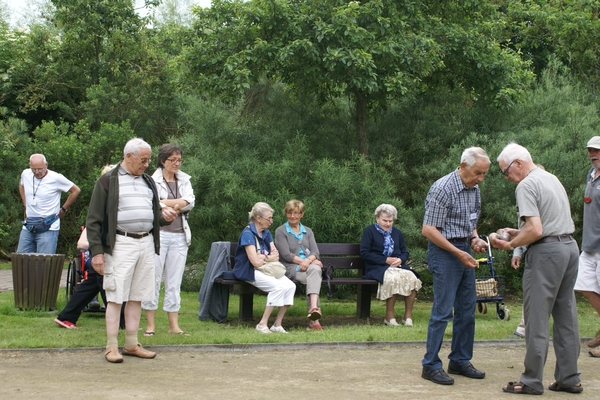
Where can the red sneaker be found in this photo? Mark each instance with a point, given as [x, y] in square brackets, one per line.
[66, 324]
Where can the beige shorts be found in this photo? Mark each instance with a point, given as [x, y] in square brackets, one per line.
[129, 270]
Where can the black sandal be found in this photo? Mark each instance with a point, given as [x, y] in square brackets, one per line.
[511, 387]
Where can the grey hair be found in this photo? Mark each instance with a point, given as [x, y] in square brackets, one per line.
[472, 154]
[134, 146]
[514, 151]
[41, 155]
[258, 210]
[386, 209]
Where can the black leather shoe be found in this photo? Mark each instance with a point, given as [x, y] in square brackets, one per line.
[438, 376]
[467, 370]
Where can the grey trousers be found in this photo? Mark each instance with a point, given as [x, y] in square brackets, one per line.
[312, 278]
[548, 281]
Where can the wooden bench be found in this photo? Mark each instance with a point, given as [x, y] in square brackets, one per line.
[342, 256]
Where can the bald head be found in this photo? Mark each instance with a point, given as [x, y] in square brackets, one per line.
[38, 165]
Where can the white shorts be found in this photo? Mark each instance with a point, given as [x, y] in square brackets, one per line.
[588, 276]
[129, 270]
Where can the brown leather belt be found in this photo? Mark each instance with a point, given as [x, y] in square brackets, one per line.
[552, 239]
[133, 235]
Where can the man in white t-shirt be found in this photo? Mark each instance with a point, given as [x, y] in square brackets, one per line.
[41, 191]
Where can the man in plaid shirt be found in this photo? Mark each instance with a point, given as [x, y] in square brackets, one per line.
[452, 209]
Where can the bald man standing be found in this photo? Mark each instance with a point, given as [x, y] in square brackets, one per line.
[41, 190]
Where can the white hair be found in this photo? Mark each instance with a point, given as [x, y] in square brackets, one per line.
[514, 151]
[472, 154]
[386, 209]
[134, 146]
[258, 210]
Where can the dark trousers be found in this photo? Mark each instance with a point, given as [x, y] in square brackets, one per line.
[85, 292]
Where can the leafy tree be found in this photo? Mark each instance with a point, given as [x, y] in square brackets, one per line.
[568, 29]
[93, 60]
[369, 51]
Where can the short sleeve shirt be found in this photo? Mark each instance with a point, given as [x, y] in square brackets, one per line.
[452, 207]
[42, 196]
[542, 195]
[590, 241]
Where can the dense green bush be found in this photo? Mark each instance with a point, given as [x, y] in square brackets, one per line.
[271, 148]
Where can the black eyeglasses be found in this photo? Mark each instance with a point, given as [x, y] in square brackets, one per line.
[505, 172]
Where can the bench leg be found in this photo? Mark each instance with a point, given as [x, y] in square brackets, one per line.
[246, 302]
[363, 301]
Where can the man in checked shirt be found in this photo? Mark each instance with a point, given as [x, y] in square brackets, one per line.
[452, 209]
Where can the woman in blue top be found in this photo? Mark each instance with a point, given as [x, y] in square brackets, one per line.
[255, 247]
[384, 252]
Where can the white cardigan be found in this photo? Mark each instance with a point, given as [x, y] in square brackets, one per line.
[187, 193]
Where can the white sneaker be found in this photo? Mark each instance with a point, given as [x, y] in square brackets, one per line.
[264, 329]
[391, 322]
[407, 322]
[278, 329]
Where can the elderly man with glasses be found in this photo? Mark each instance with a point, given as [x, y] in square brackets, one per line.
[123, 229]
[452, 210]
[551, 259]
[41, 190]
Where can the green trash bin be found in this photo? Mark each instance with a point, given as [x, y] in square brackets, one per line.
[36, 280]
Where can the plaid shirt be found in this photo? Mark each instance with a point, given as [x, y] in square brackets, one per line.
[452, 207]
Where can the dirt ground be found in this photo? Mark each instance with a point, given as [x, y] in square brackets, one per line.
[295, 371]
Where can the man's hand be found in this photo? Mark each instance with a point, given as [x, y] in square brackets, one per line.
[479, 245]
[467, 260]
[515, 262]
[98, 263]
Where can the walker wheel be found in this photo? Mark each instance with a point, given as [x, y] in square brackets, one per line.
[482, 308]
[503, 313]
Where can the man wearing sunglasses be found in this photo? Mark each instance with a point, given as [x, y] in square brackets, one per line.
[551, 259]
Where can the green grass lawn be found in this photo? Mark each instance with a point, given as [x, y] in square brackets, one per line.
[36, 329]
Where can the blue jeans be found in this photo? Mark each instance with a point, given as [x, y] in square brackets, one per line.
[453, 286]
[44, 242]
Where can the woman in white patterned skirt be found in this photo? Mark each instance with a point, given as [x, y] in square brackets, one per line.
[383, 249]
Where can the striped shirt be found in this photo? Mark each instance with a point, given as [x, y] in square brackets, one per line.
[451, 207]
[135, 213]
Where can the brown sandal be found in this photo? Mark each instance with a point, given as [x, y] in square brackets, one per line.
[554, 386]
[519, 388]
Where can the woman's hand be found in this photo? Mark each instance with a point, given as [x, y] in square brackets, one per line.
[393, 262]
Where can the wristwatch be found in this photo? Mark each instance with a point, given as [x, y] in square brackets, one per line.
[64, 209]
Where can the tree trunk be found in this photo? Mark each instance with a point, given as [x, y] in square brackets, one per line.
[360, 119]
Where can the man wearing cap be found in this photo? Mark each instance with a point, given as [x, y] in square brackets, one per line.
[588, 278]
[551, 259]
